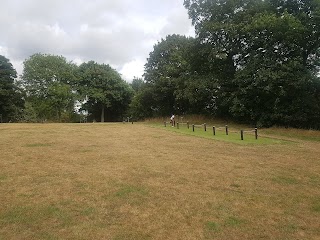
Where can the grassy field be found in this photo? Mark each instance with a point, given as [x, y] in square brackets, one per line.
[142, 181]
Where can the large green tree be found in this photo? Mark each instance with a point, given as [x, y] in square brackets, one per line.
[167, 68]
[11, 96]
[105, 95]
[179, 78]
[49, 83]
[271, 50]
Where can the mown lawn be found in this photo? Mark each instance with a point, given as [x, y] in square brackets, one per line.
[136, 181]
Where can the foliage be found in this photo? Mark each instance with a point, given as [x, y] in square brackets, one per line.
[49, 80]
[255, 61]
[103, 91]
[271, 49]
[137, 84]
[11, 96]
[171, 82]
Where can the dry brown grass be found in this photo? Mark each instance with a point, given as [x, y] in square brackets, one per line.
[124, 181]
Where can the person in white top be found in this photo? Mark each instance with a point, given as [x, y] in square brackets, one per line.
[172, 121]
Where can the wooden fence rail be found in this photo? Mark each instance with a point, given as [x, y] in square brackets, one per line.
[214, 128]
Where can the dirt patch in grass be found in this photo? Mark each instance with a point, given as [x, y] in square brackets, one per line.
[133, 181]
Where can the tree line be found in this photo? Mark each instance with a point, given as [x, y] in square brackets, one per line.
[252, 61]
[53, 89]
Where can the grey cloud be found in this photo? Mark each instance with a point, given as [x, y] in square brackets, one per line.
[114, 32]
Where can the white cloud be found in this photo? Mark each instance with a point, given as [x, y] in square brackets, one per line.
[4, 51]
[120, 33]
[132, 69]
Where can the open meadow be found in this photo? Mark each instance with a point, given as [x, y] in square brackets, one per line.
[144, 181]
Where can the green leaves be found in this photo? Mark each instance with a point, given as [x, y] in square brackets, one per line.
[269, 58]
[11, 96]
[49, 80]
[103, 90]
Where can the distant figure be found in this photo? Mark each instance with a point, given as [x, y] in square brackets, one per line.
[173, 123]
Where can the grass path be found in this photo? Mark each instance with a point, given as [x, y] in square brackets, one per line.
[123, 181]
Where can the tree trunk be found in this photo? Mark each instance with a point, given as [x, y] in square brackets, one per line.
[59, 115]
[102, 114]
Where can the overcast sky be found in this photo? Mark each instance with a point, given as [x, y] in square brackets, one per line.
[121, 33]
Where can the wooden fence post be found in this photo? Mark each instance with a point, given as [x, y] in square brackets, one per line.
[165, 124]
[256, 133]
[227, 131]
[214, 130]
[205, 127]
[241, 133]
[193, 127]
[188, 125]
[177, 125]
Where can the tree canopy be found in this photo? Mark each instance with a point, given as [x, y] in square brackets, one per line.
[105, 94]
[48, 81]
[272, 48]
[11, 96]
[255, 61]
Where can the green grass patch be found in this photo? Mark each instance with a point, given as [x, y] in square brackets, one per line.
[285, 180]
[233, 221]
[3, 177]
[316, 206]
[212, 226]
[289, 228]
[130, 190]
[233, 136]
[85, 150]
[235, 185]
[87, 211]
[39, 145]
[17, 215]
[34, 215]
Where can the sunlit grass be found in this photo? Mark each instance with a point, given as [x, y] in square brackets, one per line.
[147, 181]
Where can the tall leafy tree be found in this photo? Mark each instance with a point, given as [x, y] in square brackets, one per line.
[168, 64]
[106, 95]
[271, 49]
[11, 96]
[48, 80]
